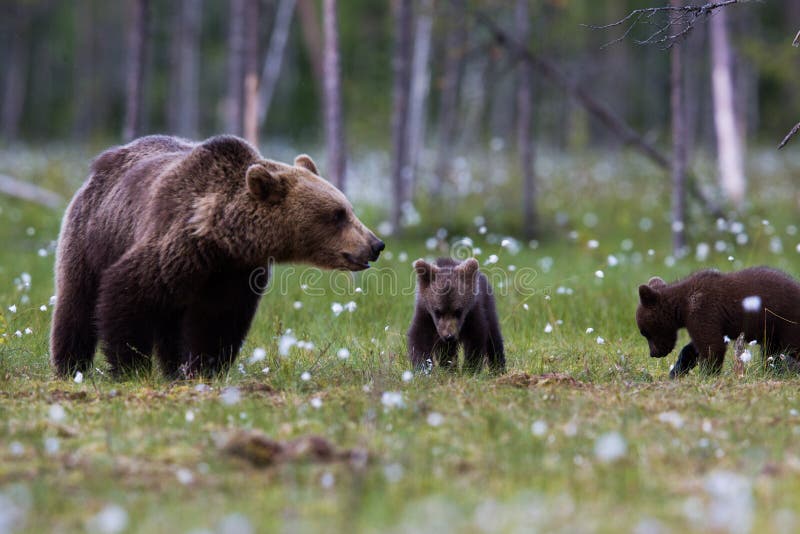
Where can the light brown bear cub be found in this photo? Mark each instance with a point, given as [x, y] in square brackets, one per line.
[158, 249]
[454, 306]
[760, 302]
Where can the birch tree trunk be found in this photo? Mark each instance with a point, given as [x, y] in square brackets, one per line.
[235, 90]
[250, 104]
[274, 59]
[400, 116]
[137, 47]
[524, 116]
[729, 146]
[310, 26]
[334, 129]
[184, 99]
[679, 148]
[420, 87]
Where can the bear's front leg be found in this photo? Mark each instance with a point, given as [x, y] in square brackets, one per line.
[474, 352]
[216, 323]
[127, 315]
[710, 351]
[687, 360]
[422, 339]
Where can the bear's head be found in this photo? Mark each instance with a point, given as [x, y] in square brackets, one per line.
[317, 222]
[447, 293]
[656, 318]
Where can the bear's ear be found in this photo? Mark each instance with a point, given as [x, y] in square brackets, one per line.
[469, 268]
[306, 162]
[647, 295]
[656, 283]
[425, 272]
[265, 185]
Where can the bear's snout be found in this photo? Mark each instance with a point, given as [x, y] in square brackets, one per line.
[377, 247]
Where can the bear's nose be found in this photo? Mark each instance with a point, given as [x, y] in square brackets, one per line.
[376, 249]
[449, 338]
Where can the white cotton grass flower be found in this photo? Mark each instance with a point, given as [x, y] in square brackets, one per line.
[305, 376]
[525, 306]
[600, 340]
[343, 353]
[435, 419]
[112, 519]
[189, 416]
[672, 418]
[297, 305]
[612, 260]
[316, 403]
[18, 333]
[610, 447]
[78, 378]
[337, 309]
[593, 243]
[589, 330]
[600, 274]
[305, 345]
[52, 300]
[51, 445]
[184, 476]
[746, 356]
[548, 328]
[28, 331]
[752, 303]
[230, 396]
[259, 354]
[491, 260]
[392, 399]
[43, 308]
[539, 428]
[407, 376]
[56, 413]
[286, 342]
[13, 308]
[350, 306]
[731, 507]
[702, 251]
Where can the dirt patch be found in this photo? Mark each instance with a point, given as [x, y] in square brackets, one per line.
[525, 380]
[260, 450]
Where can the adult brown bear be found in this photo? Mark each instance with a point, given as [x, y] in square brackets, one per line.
[158, 246]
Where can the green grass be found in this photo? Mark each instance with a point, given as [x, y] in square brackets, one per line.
[697, 453]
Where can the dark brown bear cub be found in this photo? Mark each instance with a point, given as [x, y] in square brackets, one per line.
[759, 302]
[455, 306]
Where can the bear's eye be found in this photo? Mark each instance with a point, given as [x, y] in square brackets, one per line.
[339, 216]
[438, 312]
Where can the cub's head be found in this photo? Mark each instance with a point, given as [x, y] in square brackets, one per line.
[314, 219]
[656, 319]
[447, 292]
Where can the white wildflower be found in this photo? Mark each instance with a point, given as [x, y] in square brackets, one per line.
[184, 476]
[189, 416]
[392, 399]
[612, 261]
[539, 428]
[230, 396]
[13, 308]
[593, 243]
[56, 413]
[259, 353]
[548, 328]
[343, 353]
[110, 520]
[671, 418]
[316, 403]
[599, 274]
[610, 447]
[752, 304]
[407, 376]
[435, 419]
[43, 308]
[78, 378]
[600, 340]
[337, 308]
[51, 445]
[297, 305]
[327, 480]
[286, 342]
[589, 330]
[746, 356]
[306, 376]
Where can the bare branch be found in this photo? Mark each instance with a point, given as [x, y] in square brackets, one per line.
[682, 17]
[791, 134]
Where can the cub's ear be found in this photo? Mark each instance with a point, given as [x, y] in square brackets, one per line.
[425, 272]
[307, 163]
[656, 283]
[265, 185]
[647, 295]
[469, 268]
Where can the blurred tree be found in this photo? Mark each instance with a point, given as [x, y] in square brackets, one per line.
[455, 38]
[250, 103]
[137, 53]
[183, 104]
[310, 26]
[236, 51]
[420, 86]
[524, 118]
[16, 70]
[679, 146]
[400, 110]
[730, 155]
[274, 58]
[334, 127]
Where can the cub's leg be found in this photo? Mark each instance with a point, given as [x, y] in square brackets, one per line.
[494, 343]
[128, 313]
[169, 348]
[422, 342]
[710, 349]
[215, 325]
[687, 360]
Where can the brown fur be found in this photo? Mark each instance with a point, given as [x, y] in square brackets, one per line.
[709, 305]
[157, 247]
[454, 306]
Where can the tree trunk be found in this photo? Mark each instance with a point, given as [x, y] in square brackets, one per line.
[451, 78]
[310, 26]
[137, 48]
[84, 82]
[334, 128]
[250, 108]
[401, 65]
[420, 86]
[729, 146]
[183, 109]
[236, 44]
[679, 148]
[274, 59]
[524, 116]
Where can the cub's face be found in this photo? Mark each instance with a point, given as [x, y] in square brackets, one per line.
[656, 321]
[325, 231]
[447, 293]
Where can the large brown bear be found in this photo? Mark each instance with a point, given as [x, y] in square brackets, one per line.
[759, 302]
[158, 246]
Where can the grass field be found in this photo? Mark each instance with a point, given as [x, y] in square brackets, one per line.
[605, 442]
